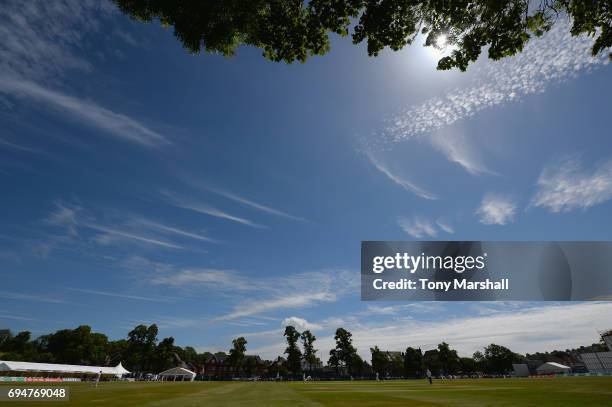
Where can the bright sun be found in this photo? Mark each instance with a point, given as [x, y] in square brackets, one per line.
[440, 47]
[441, 41]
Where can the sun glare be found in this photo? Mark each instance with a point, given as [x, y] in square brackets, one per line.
[440, 47]
[441, 41]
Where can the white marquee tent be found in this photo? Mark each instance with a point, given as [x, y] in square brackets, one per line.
[553, 367]
[29, 367]
[177, 373]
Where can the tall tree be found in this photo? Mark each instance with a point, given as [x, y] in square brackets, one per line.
[345, 354]
[236, 354]
[413, 362]
[5, 336]
[379, 361]
[293, 30]
[310, 353]
[142, 341]
[334, 360]
[294, 355]
[449, 359]
[431, 361]
[499, 359]
[164, 355]
[479, 361]
[468, 365]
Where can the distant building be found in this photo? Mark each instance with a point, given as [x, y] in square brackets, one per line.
[600, 362]
[607, 338]
[177, 374]
[218, 367]
[52, 370]
[520, 369]
[311, 366]
[553, 368]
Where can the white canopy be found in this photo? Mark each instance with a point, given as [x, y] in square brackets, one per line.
[553, 367]
[9, 366]
[178, 372]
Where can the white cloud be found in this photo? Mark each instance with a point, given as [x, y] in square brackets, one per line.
[251, 296]
[41, 43]
[16, 317]
[118, 295]
[294, 292]
[407, 185]
[533, 329]
[184, 203]
[565, 186]
[458, 149]
[290, 301]
[41, 39]
[109, 228]
[116, 124]
[445, 226]
[30, 297]
[300, 324]
[173, 230]
[554, 58]
[496, 210]
[111, 235]
[420, 227]
[539, 327]
[255, 205]
[223, 280]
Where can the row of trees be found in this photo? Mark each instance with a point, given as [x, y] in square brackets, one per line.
[300, 359]
[293, 30]
[142, 352]
[443, 360]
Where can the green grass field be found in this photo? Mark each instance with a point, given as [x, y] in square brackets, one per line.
[578, 391]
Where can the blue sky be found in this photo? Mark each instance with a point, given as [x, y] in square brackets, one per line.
[222, 197]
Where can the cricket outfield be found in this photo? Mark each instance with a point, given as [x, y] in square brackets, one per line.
[561, 391]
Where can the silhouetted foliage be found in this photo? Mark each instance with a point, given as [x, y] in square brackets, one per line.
[449, 359]
[293, 30]
[413, 362]
[236, 354]
[310, 353]
[294, 355]
[344, 355]
[379, 361]
[499, 359]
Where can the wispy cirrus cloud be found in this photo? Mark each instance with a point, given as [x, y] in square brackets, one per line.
[118, 295]
[113, 123]
[173, 230]
[42, 39]
[222, 280]
[496, 209]
[108, 228]
[16, 317]
[42, 42]
[420, 227]
[252, 296]
[565, 186]
[110, 235]
[445, 226]
[553, 58]
[294, 292]
[255, 205]
[407, 185]
[31, 297]
[200, 207]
